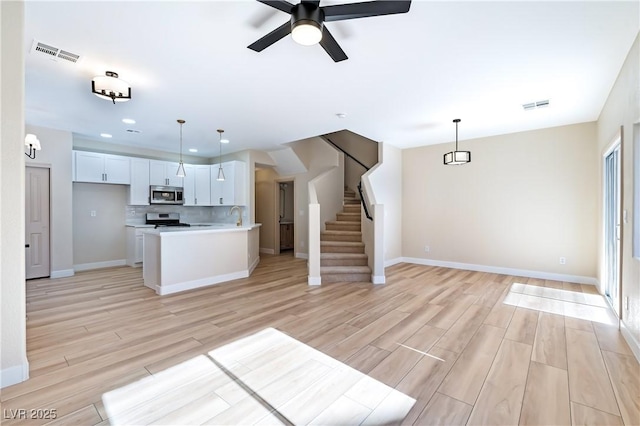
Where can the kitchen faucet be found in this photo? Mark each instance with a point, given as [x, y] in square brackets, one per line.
[239, 222]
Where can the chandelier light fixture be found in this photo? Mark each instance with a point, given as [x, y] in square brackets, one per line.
[456, 157]
[110, 87]
[33, 143]
[181, 172]
[220, 171]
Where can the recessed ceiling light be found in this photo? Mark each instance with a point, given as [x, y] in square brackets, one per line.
[106, 135]
[224, 140]
[193, 150]
[341, 115]
[129, 121]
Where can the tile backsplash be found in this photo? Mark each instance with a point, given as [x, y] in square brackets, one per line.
[190, 214]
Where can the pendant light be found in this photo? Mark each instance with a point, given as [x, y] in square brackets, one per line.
[181, 172]
[457, 157]
[220, 171]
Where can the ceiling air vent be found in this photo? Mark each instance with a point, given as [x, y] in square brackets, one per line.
[533, 105]
[54, 53]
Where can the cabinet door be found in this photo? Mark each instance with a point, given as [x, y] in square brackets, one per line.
[202, 185]
[139, 188]
[172, 178]
[157, 172]
[117, 169]
[228, 186]
[240, 189]
[216, 186]
[139, 247]
[189, 185]
[89, 167]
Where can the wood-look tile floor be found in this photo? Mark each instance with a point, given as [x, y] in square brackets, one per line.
[468, 347]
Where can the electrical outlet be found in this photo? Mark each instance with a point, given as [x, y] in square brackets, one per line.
[426, 249]
[93, 213]
[626, 303]
[563, 260]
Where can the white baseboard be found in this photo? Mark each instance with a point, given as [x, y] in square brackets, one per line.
[378, 279]
[579, 279]
[99, 265]
[62, 273]
[631, 340]
[314, 280]
[392, 262]
[202, 282]
[16, 374]
[267, 250]
[302, 255]
[253, 265]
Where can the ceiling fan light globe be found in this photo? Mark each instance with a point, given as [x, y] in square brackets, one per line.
[306, 33]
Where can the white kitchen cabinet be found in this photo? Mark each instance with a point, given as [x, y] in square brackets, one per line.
[197, 185]
[231, 191]
[135, 246]
[164, 173]
[139, 188]
[95, 167]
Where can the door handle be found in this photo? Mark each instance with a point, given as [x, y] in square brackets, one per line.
[26, 246]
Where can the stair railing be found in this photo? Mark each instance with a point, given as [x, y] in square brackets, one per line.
[362, 198]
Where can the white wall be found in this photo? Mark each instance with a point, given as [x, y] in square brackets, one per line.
[14, 366]
[56, 155]
[100, 240]
[623, 109]
[386, 182]
[525, 200]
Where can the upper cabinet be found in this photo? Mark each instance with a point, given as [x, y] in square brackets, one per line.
[95, 167]
[164, 173]
[231, 191]
[197, 185]
[139, 189]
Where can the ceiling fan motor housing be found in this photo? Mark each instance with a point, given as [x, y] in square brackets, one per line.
[307, 14]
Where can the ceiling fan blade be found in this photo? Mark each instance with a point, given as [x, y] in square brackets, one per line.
[282, 5]
[271, 38]
[331, 46]
[340, 12]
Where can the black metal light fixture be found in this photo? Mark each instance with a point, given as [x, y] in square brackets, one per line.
[456, 157]
[220, 171]
[306, 23]
[33, 143]
[181, 172]
[110, 87]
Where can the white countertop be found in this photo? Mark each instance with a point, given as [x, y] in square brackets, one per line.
[203, 227]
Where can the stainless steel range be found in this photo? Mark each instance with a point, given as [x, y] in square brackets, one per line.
[164, 219]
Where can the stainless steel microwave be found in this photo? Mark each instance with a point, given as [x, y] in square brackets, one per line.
[166, 194]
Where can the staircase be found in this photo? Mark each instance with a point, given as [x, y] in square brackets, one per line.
[342, 256]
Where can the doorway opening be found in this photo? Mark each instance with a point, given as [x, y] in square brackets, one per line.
[612, 231]
[285, 227]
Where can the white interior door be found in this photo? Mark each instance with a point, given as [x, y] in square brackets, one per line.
[612, 226]
[37, 222]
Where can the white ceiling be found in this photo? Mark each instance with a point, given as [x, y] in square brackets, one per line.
[407, 77]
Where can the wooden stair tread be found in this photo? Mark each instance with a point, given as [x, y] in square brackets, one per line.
[331, 232]
[342, 255]
[342, 243]
[344, 270]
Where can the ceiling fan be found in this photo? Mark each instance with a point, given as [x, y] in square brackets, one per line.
[307, 21]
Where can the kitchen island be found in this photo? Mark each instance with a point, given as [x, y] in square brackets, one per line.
[179, 259]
